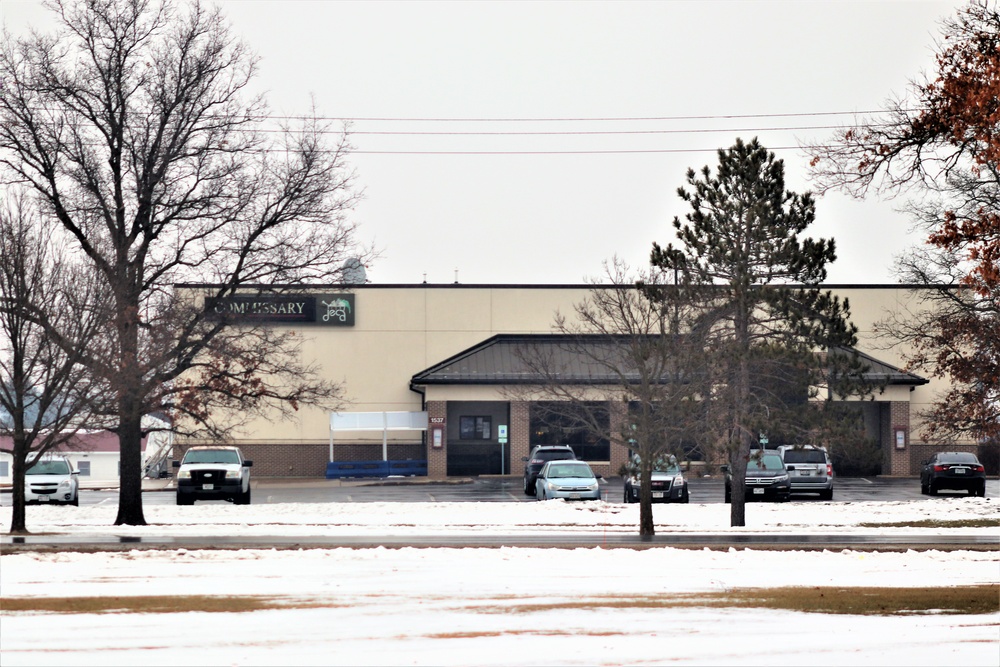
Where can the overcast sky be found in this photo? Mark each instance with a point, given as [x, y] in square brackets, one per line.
[550, 208]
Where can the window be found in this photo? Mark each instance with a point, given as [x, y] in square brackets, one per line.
[84, 468]
[475, 428]
[4, 472]
[582, 426]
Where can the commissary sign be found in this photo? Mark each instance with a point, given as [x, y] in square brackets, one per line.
[325, 309]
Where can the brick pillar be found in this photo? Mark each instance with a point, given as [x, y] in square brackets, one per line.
[437, 459]
[520, 435]
[618, 411]
[899, 418]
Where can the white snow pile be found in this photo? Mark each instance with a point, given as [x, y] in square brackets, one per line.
[557, 516]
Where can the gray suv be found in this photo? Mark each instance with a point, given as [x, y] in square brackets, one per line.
[809, 469]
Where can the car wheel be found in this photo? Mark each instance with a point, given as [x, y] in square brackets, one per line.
[729, 496]
[629, 498]
[923, 489]
[183, 500]
[527, 489]
[243, 498]
[931, 489]
[826, 494]
[76, 501]
[685, 497]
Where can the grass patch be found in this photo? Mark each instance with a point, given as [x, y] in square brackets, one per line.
[864, 601]
[152, 604]
[936, 523]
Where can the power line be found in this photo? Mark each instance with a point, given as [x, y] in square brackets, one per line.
[388, 119]
[557, 133]
[569, 152]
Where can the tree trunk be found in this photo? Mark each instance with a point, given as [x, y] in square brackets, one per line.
[646, 528]
[130, 479]
[18, 526]
[129, 426]
[738, 491]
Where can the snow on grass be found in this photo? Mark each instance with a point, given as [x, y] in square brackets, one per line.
[504, 606]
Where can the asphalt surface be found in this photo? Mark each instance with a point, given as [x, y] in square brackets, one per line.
[498, 489]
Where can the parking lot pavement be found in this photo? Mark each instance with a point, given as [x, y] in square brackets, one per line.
[496, 489]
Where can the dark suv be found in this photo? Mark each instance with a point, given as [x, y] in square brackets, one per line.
[767, 478]
[960, 471]
[538, 457]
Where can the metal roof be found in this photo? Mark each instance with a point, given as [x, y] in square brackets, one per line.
[571, 359]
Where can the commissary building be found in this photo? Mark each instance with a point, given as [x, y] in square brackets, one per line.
[431, 380]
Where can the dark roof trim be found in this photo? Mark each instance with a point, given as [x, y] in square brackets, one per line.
[531, 286]
[894, 376]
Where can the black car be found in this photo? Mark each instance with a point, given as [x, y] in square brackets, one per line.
[767, 478]
[959, 471]
[538, 457]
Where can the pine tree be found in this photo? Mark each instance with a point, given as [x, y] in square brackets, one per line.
[771, 326]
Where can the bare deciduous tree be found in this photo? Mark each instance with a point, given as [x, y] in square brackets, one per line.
[635, 339]
[941, 143]
[135, 128]
[46, 394]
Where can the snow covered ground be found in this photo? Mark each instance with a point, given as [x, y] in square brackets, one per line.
[509, 606]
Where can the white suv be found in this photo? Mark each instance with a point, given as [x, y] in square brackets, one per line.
[809, 469]
[213, 472]
[52, 480]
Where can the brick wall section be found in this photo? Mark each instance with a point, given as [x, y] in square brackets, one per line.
[520, 435]
[899, 459]
[618, 412]
[309, 460]
[437, 459]
[922, 452]
[273, 460]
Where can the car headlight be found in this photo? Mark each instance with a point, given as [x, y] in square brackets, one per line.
[232, 474]
[64, 484]
[184, 474]
[781, 478]
[593, 487]
[679, 480]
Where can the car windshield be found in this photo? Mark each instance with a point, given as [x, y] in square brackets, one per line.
[660, 464]
[212, 456]
[570, 471]
[553, 455]
[49, 468]
[804, 456]
[766, 462]
[957, 457]
[665, 465]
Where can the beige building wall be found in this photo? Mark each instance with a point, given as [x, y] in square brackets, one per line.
[402, 330]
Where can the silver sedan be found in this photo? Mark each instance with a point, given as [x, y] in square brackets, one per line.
[572, 480]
